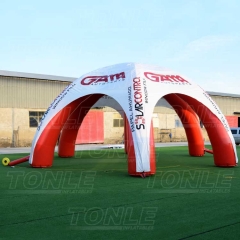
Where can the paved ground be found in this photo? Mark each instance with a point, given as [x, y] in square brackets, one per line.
[90, 147]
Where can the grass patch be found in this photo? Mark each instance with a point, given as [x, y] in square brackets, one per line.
[91, 196]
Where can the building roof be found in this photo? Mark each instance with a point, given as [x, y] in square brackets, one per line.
[35, 76]
[223, 94]
[70, 79]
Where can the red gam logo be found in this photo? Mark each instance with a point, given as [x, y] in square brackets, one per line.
[165, 78]
[90, 80]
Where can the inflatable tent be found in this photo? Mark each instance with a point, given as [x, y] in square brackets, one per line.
[136, 88]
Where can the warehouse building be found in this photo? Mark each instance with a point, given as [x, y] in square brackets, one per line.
[24, 97]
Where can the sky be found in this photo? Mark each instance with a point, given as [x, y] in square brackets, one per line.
[199, 39]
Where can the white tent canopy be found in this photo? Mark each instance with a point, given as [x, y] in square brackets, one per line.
[136, 90]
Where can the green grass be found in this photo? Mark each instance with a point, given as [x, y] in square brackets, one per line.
[91, 196]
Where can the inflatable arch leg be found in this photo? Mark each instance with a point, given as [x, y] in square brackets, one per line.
[70, 129]
[131, 153]
[132, 157]
[223, 151]
[130, 145]
[152, 152]
[190, 123]
[44, 150]
[125, 133]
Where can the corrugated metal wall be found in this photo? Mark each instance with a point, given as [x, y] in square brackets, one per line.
[228, 105]
[28, 93]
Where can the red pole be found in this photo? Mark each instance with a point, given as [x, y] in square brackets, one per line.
[20, 160]
[208, 150]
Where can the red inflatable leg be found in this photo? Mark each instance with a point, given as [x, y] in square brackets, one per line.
[44, 150]
[223, 152]
[190, 123]
[70, 129]
[126, 126]
[132, 157]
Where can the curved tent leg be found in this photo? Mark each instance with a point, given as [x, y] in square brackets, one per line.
[130, 152]
[125, 132]
[70, 129]
[152, 152]
[132, 157]
[190, 123]
[223, 152]
[44, 150]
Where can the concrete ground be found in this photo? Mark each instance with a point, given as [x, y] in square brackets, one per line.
[91, 147]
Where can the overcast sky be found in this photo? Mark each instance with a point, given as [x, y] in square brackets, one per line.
[197, 38]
